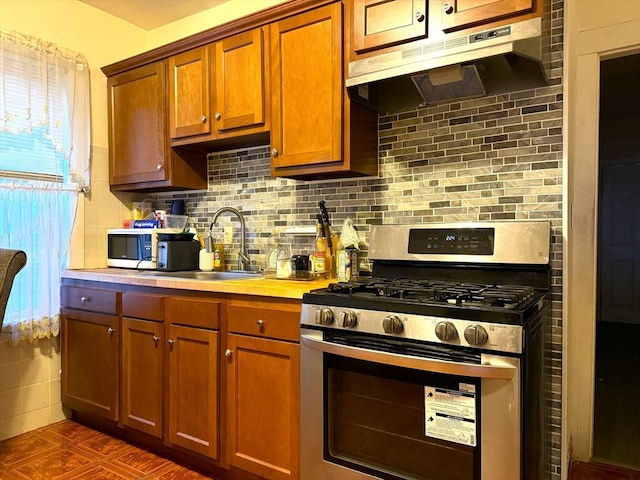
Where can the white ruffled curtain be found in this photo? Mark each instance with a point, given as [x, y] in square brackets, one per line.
[44, 164]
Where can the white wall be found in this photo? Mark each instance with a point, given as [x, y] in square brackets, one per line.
[594, 30]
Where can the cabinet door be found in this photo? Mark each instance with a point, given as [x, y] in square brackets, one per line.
[458, 14]
[307, 90]
[263, 401]
[240, 81]
[90, 362]
[382, 23]
[193, 389]
[137, 127]
[142, 372]
[189, 97]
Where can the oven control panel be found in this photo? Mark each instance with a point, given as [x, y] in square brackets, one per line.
[452, 241]
[496, 337]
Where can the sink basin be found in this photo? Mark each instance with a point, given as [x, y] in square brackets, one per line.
[198, 275]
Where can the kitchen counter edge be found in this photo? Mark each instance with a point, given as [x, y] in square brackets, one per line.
[268, 287]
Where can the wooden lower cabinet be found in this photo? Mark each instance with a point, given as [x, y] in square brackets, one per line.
[90, 360]
[263, 406]
[142, 375]
[152, 362]
[193, 389]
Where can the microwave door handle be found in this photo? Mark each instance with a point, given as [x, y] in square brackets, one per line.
[504, 371]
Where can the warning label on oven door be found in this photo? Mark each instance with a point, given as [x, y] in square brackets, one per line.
[450, 415]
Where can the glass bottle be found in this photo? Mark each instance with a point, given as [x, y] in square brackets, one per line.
[319, 258]
[271, 256]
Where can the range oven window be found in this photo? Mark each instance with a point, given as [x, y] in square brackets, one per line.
[376, 422]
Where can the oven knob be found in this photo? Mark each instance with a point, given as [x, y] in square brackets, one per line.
[392, 324]
[476, 335]
[446, 331]
[324, 316]
[348, 319]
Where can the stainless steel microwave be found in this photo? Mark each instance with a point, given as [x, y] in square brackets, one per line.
[132, 247]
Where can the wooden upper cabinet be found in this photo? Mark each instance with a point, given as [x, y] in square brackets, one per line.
[316, 130]
[240, 81]
[459, 14]
[137, 129]
[307, 92]
[382, 23]
[139, 154]
[219, 91]
[189, 87]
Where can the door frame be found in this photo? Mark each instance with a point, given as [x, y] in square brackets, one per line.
[586, 49]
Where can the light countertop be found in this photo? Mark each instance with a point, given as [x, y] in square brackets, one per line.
[269, 287]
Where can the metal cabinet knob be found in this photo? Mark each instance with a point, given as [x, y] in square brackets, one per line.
[447, 8]
[218, 116]
[155, 339]
[259, 323]
[159, 167]
[170, 342]
[203, 119]
[84, 299]
[227, 353]
[420, 17]
[110, 330]
[274, 152]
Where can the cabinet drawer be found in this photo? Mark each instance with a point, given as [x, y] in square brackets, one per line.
[90, 299]
[194, 312]
[265, 320]
[143, 305]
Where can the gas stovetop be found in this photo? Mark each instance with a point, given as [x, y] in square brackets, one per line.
[429, 292]
[512, 304]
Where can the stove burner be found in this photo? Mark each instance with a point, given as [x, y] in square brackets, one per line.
[436, 292]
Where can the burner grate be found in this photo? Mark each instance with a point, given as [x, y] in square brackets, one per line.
[438, 292]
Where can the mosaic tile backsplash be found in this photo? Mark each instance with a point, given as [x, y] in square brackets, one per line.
[491, 158]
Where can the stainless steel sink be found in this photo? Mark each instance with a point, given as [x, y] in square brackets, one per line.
[198, 275]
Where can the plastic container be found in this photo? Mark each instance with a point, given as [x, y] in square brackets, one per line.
[175, 221]
[206, 260]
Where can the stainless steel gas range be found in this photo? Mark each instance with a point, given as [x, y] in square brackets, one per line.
[433, 367]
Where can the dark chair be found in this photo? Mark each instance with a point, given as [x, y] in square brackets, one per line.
[11, 262]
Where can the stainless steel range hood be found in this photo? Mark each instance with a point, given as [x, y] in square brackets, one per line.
[507, 58]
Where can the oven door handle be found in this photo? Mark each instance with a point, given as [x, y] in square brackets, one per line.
[504, 371]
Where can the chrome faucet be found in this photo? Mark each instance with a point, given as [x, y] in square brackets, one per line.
[243, 258]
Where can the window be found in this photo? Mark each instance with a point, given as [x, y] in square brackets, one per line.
[44, 163]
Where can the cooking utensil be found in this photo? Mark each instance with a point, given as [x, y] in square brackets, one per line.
[332, 241]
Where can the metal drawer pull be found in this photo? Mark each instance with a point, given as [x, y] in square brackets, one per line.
[260, 323]
[415, 363]
[110, 330]
[155, 339]
[227, 353]
[170, 342]
[84, 299]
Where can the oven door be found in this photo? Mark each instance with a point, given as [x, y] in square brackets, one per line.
[368, 411]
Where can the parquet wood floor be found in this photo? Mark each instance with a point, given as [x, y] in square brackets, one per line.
[68, 450]
[599, 471]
